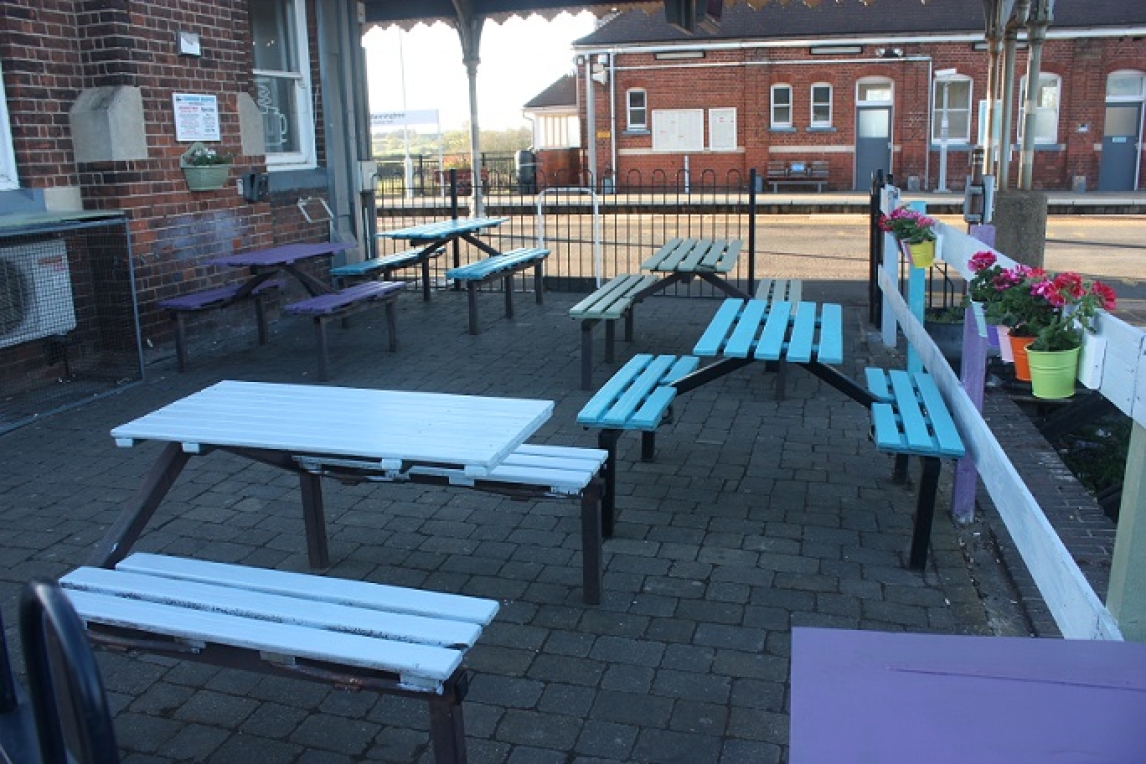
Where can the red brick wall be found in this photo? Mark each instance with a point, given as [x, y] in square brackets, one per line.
[55, 48]
[746, 81]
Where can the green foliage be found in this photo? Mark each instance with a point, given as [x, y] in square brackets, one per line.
[453, 142]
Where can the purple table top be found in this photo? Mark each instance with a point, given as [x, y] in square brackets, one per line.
[865, 696]
[286, 254]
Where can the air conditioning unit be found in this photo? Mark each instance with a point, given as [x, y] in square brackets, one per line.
[35, 292]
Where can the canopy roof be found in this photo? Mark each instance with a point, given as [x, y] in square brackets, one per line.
[407, 14]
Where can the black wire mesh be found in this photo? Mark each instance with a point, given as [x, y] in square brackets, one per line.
[68, 319]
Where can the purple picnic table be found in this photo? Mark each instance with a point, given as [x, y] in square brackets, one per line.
[263, 263]
[892, 698]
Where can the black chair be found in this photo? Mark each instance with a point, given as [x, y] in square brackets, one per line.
[68, 699]
[17, 723]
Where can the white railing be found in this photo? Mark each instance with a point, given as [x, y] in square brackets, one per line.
[1114, 363]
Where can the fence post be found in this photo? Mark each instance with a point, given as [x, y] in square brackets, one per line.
[454, 216]
[916, 296]
[752, 231]
[875, 250]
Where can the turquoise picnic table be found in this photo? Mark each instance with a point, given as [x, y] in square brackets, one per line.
[683, 259]
[430, 236]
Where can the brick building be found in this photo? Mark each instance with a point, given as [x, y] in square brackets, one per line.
[101, 99]
[860, 87]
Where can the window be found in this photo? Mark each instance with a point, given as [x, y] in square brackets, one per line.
[557, 132]
[958, 110]
[722, 129]
[781, 107]
[8, 176]
[282, 81]
[678, 130]
[821, 105]
[1046, 108]
[873, 91]
[637, 110]
[1125, 86]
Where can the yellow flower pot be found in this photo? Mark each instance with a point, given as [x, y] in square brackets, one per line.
[922, 254]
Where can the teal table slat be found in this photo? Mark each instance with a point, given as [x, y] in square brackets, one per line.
[771, 344]
[803, 334]
[712, 341]
[743, 337]
[831, 348]
[630, 401]
[946, 434]
[877, 383]
[885, 428]
[649, 415]
[602, 401]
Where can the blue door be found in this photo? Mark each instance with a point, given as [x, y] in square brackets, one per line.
[1118, 169]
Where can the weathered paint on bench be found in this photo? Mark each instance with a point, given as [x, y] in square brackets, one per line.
[695, 256]
[350, 633]
[613, 300]
[345, 302]
[385, 265]
[502, 266]
[214, 299]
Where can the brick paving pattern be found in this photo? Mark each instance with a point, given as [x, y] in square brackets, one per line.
[756, 516]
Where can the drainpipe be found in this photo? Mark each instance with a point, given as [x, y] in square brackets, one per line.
[613, 115]
[1041, 15]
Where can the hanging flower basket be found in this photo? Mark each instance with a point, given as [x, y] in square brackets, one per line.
[922, 254]
[204, 168]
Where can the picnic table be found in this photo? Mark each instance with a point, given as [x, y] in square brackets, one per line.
[430, 236]
[265, 263]
[683, 259]
[894, 697]
[385, 432]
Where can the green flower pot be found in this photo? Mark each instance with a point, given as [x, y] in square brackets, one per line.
[1053, 372]
[207, 177]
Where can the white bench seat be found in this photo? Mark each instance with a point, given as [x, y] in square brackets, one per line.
[388, 638]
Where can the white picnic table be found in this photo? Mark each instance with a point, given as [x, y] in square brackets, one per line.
[387, 433]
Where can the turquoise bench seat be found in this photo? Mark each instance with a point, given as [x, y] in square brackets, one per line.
[637, 398]
[910, 418]
[611, 301]
[502, 266]
[385, 265]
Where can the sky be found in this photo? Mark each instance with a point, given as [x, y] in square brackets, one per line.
[519, 59]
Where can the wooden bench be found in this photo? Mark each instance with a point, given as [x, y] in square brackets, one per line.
[909, 418]
[345, 302]
[352, 634]
[215, 299]
[810, 173]
[637, 398]
[613, 300]
[386, 265]
[530, 471]
[502, 266]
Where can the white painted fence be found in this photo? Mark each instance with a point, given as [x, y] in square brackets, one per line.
[1114, 362]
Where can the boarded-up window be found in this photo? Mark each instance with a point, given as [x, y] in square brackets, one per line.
[678, 130]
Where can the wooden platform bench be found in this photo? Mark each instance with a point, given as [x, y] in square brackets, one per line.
[351, 634]
[612, 301]
[810, 173]
[385, 266]
[503, 266]
[637, 398]
[909, 418]
[215, 299]
[324, 308]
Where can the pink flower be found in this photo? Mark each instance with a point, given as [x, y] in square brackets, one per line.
[981, 260]
[1105, 294]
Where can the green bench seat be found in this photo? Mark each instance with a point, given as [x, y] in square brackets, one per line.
[610, 302]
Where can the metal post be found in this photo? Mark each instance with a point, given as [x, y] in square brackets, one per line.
[1041, 14]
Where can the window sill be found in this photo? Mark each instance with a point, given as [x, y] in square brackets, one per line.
[636, 131]
[782, 130]
[821, 129]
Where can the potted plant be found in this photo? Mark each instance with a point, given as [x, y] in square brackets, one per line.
[205, 168]
[982, 292]
[915, 233]
[945, 325]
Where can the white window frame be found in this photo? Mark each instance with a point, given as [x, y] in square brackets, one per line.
[722, 126]
[1044, 78]
[305, 157]
[812, 121]
[1129, 74]
[635, 125]
[952, 108]
[779, 124]
[9, 177]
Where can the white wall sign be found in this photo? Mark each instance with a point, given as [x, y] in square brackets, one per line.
[722, 129]
[196, 117]
[403, 118]
[678, 130]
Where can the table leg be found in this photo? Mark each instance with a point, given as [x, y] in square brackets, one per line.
[314, 518]
[509, 296]
[447, 725]
[538, 283]
[471, 294]
[610, 340]
[723, 285]
[592, 561]
[426, 279]
[312, 285]
[120, 537]
[607, 441]
[392, 324]
[587, 354]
